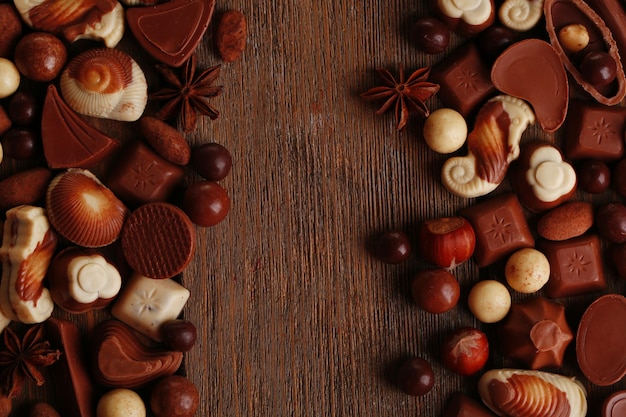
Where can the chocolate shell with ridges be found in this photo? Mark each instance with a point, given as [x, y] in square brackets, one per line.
[83, 210]
[560, 13]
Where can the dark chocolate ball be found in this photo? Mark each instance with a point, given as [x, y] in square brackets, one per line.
[435, 290]
[611, 222]
[20, 143]
[23, 108]
[494, 40]
[416, 377]
[212, 160]
[179, 335]
[393, 247]
[599, 68]
[430, 35]
[206, 203]
[593, 176]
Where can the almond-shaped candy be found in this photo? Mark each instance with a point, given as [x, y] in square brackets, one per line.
[516, 392]
[492, 145]
[561, 13]
[101, 20]
[566, 221]
[122, 360]
[532, 70]
[28, 244]
[25, 187]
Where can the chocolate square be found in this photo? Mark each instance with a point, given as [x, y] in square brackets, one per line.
[464, 80]
[575, 266]
[141, 176]
[500, 226]
[595, 131]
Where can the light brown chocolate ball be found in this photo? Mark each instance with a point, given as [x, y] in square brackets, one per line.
[40, 56]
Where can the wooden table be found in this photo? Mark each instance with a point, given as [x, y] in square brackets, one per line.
[296, 317]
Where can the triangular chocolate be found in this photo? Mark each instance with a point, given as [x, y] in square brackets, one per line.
[171, 31]
[68, 140]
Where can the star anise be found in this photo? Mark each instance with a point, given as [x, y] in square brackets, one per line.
[21, 358]
[187, 93]
[407, 96]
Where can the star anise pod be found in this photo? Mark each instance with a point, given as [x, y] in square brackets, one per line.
[21, 358]
[407, 96]
[187, 93]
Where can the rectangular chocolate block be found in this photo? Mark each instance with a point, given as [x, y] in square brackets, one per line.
[464, 80]
[500, 226]
[575, 266]
[594, 131]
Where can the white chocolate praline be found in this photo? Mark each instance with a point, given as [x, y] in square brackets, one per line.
[445, 130]
[527, 270]
[549, 177]
[472, 12]
[91, 277]
[9, 78]
[146, 303]
[110, 29]
[121, 402]
[533, 393]
[521, 15]
[489, 301]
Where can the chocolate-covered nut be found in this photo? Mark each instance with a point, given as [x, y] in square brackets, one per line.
[77, 391]
[445, 130]
[611, 222]
[576, 266]
[435, 290]
[532, 70]
[206, 203]
[560, 13]
[23, 108]
[165, 140]
[25, 187]
[600, 339]
[121, 360]
[40, 56]
[574, 37]
[598, 68]
[179, 335]
[20, 143]
[594, 176]
[494, 40]
[174, 396]
[566, 221]
[11, 25]
[212, 160]
[430, 35]
[121, 402]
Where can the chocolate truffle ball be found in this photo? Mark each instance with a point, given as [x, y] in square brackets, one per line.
[174, 396]
[40, 56]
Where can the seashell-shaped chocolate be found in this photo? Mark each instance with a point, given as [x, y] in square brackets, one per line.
[101, 20]
[83, 210]
[521, 15]
[121, 360]
[514, 393]
[105, 83]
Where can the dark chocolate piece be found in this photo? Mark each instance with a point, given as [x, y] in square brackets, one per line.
[575, 266]
[141, 176]
[171, 31]
[68, 140]
[594, 131]
[560, 13]
[72, 382]
[500, 226]
[464, 80]
[615, 405]
[158, 240]
[600, 340]
[532, 70]
[462, 405]
[536, 333]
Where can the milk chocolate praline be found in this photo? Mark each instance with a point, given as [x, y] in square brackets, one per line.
[40, 56]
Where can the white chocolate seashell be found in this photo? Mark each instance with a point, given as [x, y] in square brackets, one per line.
[105, 83]
[513, 393]
[491, 148]
[521, 15]
[100, 20]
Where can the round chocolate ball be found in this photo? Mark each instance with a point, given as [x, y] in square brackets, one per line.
[23, 108]
[599, 68]
[415, 377]
[174, 396]
[430, 35]
[212, 160]
[40, 56]
[611, 222]
[20, 143]
[393, 247]
[494, 40]
[179, 335]
[435, 290]
[206, 203]
[593, 176]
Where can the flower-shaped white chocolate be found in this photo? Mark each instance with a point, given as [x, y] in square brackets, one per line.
[472, 12]
[91, 277]
[146, 303]
[521, 15]
[548, 175]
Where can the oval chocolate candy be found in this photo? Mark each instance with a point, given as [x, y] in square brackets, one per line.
[600, 340]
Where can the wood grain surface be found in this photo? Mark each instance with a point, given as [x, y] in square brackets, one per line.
[295, 316]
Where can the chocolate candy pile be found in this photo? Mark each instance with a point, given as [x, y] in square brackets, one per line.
[550, 249]
[95, 222]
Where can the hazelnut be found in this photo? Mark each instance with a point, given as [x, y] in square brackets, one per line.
[574, 37]
[527, 270]
[9, 78]
[121, 402]
[40, 56]
[489, 301]
[445, 130]
[446, 241]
